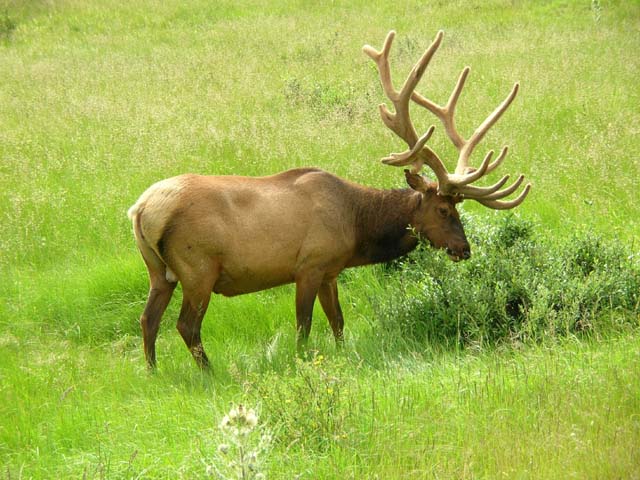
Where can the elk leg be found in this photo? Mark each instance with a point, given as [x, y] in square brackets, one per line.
[307, 286]
[159, 296]
[196, 293]
[160, 293]
[328, 295]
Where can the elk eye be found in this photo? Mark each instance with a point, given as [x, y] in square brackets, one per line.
[443, 212]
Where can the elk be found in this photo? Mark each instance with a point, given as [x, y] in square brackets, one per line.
[233, 235]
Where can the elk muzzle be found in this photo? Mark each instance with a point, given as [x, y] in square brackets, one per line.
[462, 252]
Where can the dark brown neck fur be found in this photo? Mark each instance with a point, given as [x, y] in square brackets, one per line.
[383, 219]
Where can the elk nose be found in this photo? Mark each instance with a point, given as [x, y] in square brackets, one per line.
[466, 253]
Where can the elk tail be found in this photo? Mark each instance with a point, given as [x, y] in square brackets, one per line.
[133, 210]
[151, 254]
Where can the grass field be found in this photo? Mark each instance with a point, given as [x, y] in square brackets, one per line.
[99, 99]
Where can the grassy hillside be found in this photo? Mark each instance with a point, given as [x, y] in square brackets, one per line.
[98, 99]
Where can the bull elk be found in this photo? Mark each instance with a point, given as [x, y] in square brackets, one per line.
[233, 235]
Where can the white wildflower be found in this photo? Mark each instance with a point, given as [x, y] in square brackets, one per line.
[240, 456]
[252, 419]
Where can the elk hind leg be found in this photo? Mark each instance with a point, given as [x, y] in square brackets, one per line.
[195, 300]
[160, 293]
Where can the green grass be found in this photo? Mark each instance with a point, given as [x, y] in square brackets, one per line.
[100, 99]
[538, 413]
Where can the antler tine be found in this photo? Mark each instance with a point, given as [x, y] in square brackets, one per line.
[496, 163]
[499, 205]
[382, 60]
[461, 180]
[407, 157]
[506, 192]
[470, 191]
[393, 120]
[470, 145]
[419, 68]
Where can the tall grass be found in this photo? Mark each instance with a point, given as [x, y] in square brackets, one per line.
[570, 409]
[100, 99]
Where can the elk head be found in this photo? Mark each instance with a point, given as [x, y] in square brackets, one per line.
[437, 219]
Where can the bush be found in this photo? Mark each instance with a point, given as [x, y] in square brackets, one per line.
[515, 287]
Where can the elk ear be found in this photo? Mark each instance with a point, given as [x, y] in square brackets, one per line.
[416, 181]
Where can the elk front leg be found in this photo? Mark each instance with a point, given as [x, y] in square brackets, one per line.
[328, 295]
[307, 285]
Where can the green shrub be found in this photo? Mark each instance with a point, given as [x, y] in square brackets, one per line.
[516, 287]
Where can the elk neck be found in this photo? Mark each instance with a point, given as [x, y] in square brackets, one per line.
[383, 225]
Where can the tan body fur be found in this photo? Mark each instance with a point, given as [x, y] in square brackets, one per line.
[257, 232]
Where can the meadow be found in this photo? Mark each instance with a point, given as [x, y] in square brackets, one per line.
[526, 366]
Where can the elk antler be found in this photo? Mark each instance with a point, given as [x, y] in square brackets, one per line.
[418, 154]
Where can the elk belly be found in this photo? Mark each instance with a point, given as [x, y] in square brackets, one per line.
[246, 280]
